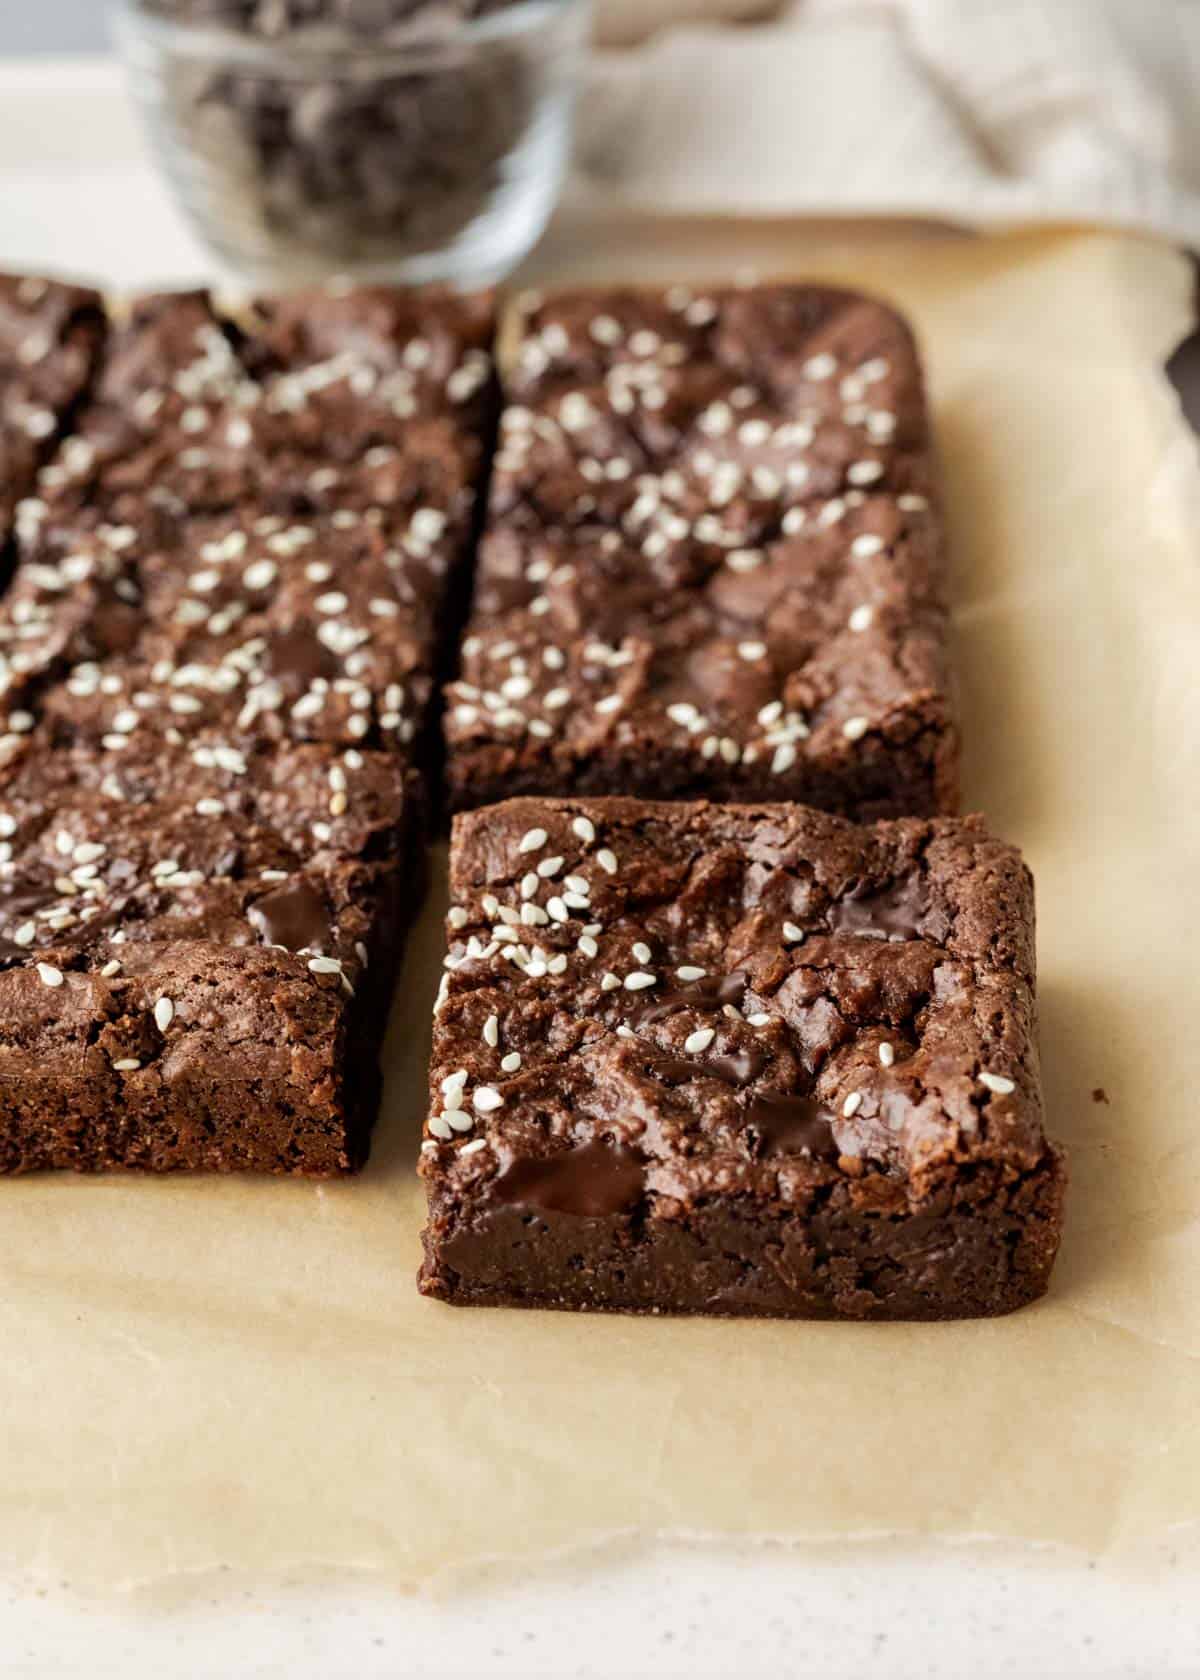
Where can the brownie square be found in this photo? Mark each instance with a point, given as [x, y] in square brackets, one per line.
[713, 560]
[744, 1060]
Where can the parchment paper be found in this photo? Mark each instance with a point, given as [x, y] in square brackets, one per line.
[213, 1373]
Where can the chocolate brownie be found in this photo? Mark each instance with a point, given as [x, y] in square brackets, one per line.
[49, 338]
[216, 662]
[727, 1059]
[713, 560]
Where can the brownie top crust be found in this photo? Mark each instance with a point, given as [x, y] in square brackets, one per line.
[692, 1000]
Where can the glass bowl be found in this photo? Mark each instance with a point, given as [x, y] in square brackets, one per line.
[434, 150]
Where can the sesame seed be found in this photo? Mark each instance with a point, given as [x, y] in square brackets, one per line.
[587, 945]
[864, 472]
[699, 1040]
[912, 503]
[209, 808]
[491, 1031]
[533, 840]
[638, 981]
[456, 916]
[511, 1062]
[860, 618]
[164, 1013]
[25, 934]
[998, 1082]
[759, 1020]
[887, 1055]
[752, 650]
[792, 934]
[784, 757]
[852, 1104]
[609, 982]
[486, 1099]
[607, 860]
[642, 952]
[690, 972]
[819, 367]
[855, 728]
[324, 965]
[744, 559]
[866, 545]
[127, 1064]
[439, 1126]
[49, 976]
[473, 1148]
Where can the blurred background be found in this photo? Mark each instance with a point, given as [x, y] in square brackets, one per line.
[65, 26]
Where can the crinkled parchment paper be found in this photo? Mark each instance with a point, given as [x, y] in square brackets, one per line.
[204, 1373]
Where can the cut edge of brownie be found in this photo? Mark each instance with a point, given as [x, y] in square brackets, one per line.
[947, 1205]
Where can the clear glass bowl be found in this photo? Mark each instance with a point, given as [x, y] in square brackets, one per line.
[435, 155]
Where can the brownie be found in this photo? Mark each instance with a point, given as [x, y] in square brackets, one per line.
[217, 658]
[713, 560]
[49, 338]
[745, 1060]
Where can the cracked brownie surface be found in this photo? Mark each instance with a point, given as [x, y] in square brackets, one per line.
[712, 563]
[737, 1059]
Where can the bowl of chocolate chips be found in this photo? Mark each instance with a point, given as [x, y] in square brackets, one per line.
[401, 140]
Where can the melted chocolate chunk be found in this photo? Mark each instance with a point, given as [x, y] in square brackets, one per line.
[894, 913]
[591, 1179]
[295, 917]
[737, 1070]
[792, 1126]
[713, 992]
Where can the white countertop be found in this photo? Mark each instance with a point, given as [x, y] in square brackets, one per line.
[76, 193]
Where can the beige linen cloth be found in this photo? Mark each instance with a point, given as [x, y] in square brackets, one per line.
[982, 111]
[240, 1374]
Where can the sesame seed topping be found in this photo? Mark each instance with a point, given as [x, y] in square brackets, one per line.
[48, 975]
[642, 952]
[491, 1031]
[533, 840]
[860, 618]
[127, 1064]
[759, 1020]
[852, 1104]
[607, 860]
[164, 1013]
[473, 1148]
[699, 1040]
[457, 916]
[440, 1126]
[511, 1062]
[866, 545]
[792, 934]
[689, 971]
[855, 728]
[887, 1055]
[324, 965]
[998, 1082]
[486, 1099]
[639, 980]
